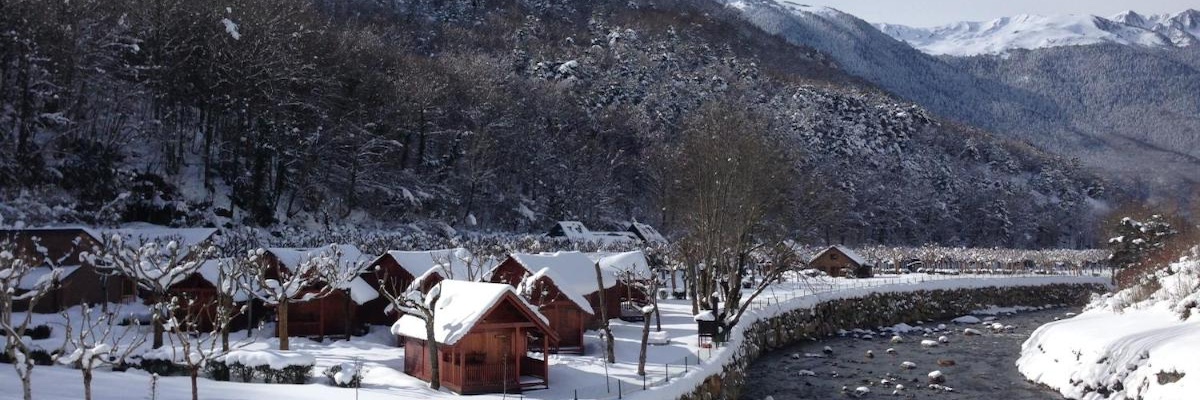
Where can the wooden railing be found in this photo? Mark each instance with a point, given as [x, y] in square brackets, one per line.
[489, 374]
[533, 367]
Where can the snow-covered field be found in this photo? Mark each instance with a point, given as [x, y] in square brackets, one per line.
[570, 375]
[1147, 350]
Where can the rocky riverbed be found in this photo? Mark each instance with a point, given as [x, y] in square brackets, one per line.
[970, 358]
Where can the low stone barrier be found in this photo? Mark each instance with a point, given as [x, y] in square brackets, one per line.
[870, 311]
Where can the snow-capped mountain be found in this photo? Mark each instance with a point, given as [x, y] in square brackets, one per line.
[1138, 121]
[1036, 32]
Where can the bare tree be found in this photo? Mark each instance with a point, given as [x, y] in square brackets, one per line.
[315, 276]
[190, 345]
[609, 353]
[95, 339]
[642, 281]
[14, 271]
[155, 265]
[421, 305]
[731, 197]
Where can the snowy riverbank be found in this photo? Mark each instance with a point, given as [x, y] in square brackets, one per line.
[1122, 348]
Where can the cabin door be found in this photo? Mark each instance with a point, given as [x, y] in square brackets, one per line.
[502, 343]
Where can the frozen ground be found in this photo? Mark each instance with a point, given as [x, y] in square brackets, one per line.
[569, 375]
[983, 362]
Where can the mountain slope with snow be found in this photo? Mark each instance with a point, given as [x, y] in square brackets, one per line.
[1036, 32]
[1051, 98]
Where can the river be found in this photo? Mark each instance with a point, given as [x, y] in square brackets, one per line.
[983, 365]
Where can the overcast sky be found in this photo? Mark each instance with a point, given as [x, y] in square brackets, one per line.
[939, 12]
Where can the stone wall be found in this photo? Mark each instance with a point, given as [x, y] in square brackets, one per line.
[871, 311]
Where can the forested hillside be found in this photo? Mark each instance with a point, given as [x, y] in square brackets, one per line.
[492, 116]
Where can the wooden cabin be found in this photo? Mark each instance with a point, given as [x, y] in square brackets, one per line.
[399, 269]
[627, 267]
[485, 335]
[559, 284]
[201, 286]
[334, 315]
[79, 281]
[838, 261]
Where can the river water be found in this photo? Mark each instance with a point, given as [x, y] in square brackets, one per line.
[984, 365]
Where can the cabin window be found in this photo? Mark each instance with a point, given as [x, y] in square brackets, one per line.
[445, 357]
[476, 357]
[833, 256]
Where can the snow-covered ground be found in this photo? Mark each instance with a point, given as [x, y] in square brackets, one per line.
[1120, 348]
[570, 375]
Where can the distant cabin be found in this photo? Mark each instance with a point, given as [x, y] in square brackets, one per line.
[559, 285]
[334, 315]
[840, 261]
[201, 286]
[489, 340]
[79, 281]
[399, 269]
[647, 233]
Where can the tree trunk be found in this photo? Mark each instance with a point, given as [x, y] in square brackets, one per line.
[608, 337]
[347, 310]
[158, 332]
[435, 371]
[87, 384]
[282, 325]
[645, 338]
[27, 385]
[195, 374]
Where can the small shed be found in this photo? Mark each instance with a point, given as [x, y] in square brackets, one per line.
[484, 333]
[838, 261]
[560, 285]
[401, 268]
[336, 314]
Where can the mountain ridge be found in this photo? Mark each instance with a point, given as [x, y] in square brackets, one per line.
[1027, 32]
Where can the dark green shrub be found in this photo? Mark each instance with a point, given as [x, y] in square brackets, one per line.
[39, 332]
[162, 367]
[217, 370]
[242, 372]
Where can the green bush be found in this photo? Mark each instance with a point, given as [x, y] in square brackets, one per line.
[294, 374]
[217, 370]
[244, 373]
[162, 367]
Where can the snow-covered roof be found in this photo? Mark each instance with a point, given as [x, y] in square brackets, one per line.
[572, 272]
[459, 308]
[210, 271]
[617, 237]
[620, 262]
[851, 254]
[35, 276]
[449, 263]
[575, 231]
[352, 258]
[186, 237]
[647, 233]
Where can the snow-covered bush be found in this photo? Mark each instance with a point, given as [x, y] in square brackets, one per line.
[344, 375]
[272, 366]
